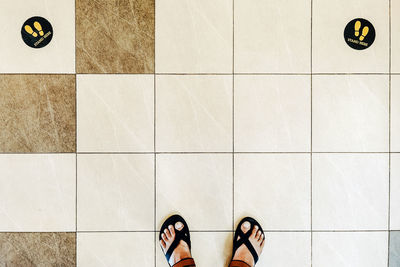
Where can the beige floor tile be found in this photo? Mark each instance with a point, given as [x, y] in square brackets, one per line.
[194, 113]
[367, 249]
[115, 113]
[274, 189]
[208, 249]
[351, 113]
[37, 193]
[286, 250]
[331, 54]
[115, 249]
[394, 256]
[37, 113]
[395, 30]
[197, 186]
[57, 57]
[395, 192]
[273, 36]
[272, 113]
[194, 36]
[350, 191]
[395, 114]
[37, 249]
[115, 36]
[115, 192]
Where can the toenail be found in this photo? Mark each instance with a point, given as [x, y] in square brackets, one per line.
[246, 225]
[178, 225]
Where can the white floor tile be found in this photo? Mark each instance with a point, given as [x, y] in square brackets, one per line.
[274, 189]
[197, 186]
[395, 41]
[394, 256]
[350, 191]
[286, 250]
[395, 192]
[272, 113]
[331, 54]
[208, 249]
[194, 113]
[57, 57]
[272, 36]
[395, 114]
[367, 249]
[115, 192]
[37, 192]
[115, 113]
[194, 36]
[115, 249]
[351, 113]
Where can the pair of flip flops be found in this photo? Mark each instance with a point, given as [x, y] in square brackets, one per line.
[184, 234]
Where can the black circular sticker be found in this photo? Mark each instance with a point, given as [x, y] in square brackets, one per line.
[37, 32]
[359, 34]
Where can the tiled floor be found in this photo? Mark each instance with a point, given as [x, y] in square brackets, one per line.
[214, 109]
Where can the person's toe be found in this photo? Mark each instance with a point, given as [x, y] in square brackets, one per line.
[171, 230]
[164, 237]
[261, 238]
[167, 233]
[258, 235]
[163, 245]
[245, 227]
[179, 226]
[254, 232]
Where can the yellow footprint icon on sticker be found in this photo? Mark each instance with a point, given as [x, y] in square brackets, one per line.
[357, 27]
[29, 30]
[364, 33]
[38, 27]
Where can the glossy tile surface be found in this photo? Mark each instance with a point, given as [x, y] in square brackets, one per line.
[260, 101]
[272, 36]
[115, 36]
[395, 19]
[194, 113]
[57, 57]
[395, 192]
[115, 249]
[37, 249]
[351, 113]
[37, 113]
[275, 189]
[331, 54]
[208, 249]
[115, 192]
[285, 249]
[198, 186]
[115, 113]
[37, 193]
[350, 191]
[194, 36]
[350, 249]
[394, 256]
[395, 113]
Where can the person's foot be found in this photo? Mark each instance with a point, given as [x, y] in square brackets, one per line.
[257, 239]
[182, 250]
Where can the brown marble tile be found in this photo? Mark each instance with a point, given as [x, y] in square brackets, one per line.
[37, 249]
[37, 113]
[115, 36]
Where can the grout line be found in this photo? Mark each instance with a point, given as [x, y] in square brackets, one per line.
[390, 123]
[233, 115]
[189, 152]
[215, 74]
[76, 146]
[154, 139]
[311, 133]
[201, 231]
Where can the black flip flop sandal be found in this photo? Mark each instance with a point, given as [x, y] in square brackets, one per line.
[244, 237]
[183, 234]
